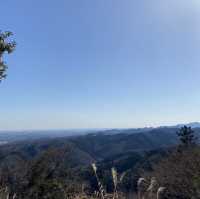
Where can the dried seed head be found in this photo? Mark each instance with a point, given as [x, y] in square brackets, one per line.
[122, 176]
[114, 175]
[94, 167]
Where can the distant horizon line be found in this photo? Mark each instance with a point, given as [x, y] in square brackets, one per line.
[96, 129]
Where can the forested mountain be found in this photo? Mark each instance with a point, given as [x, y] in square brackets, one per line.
[98, 145]
[38, 164]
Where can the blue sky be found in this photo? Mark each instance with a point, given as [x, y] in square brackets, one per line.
[101, 63]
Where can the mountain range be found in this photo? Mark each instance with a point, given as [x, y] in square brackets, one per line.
[13, 136]
[33, 160]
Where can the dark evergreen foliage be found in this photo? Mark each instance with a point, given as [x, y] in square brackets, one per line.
[187, 137]
[5, 46]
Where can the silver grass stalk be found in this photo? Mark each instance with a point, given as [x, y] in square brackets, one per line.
[152, 189]
[141, 187]
[115, 182]
[122, 176]
[94, 167]
[114, 176]
[101, 189]
[161, 192]
[14, 196]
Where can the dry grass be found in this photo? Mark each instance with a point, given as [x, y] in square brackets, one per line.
[116, 178]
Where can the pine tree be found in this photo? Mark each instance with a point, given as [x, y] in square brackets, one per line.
[6, 46]
[187, 137]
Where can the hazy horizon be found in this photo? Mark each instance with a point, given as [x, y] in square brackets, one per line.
[101, 64]
[96, 129]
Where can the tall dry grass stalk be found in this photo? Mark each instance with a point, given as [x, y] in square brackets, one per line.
[151, 191]
[116, 178]
[100, 186]
[115, 182]
[14, 196]
[142, 185]
[161, 192]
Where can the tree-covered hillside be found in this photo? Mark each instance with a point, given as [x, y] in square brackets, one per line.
[30, 167]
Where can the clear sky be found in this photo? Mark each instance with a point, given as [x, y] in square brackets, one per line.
[101, 63]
